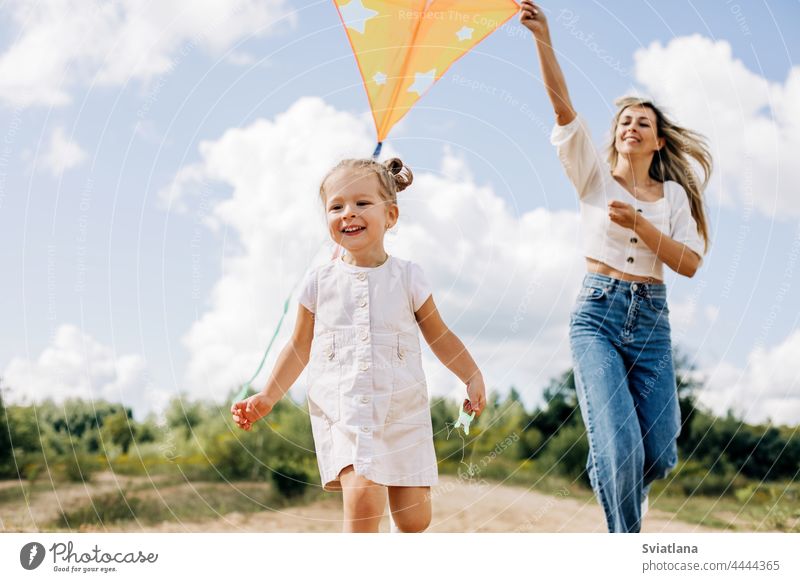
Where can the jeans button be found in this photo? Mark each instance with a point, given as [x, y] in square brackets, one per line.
[634, 286]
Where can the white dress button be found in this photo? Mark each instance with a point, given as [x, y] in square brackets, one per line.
[364, 366]
[362, 303]
[364, 429]
[361, 276]
[364, 336]
[365, 399]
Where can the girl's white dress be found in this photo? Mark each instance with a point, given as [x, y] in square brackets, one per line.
[367, 395]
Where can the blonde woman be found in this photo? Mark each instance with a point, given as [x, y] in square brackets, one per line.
[641, 210]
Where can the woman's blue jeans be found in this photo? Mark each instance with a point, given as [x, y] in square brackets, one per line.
[622, 361]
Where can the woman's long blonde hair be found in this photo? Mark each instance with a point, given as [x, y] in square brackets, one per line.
[673, 161]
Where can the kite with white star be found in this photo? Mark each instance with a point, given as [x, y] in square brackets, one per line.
[402, 53]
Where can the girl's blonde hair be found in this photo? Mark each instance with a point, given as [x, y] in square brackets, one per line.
[393, 175]
[673, 161]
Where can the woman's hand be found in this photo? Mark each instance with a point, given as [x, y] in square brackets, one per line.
[623, 214]
[248, 411]
[532, 18]
[676, 255]
[476, 391]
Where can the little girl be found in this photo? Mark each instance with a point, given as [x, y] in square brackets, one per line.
[357, 327]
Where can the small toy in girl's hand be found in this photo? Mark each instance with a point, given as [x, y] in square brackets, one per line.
[464, 419]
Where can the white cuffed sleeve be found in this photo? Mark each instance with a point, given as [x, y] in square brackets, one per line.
[683, 227]
[308, 291]
[417, 286]
[577, 154]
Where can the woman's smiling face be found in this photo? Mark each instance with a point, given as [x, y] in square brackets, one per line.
[636, 131]
[358, 216]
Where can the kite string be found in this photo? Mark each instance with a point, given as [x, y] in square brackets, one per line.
[450, 427]
[247, 386]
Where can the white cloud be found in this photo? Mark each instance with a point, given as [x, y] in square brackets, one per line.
[75, 365]
[241, 59]
[504, 283]
[60, 43]
[751, 122]
[768, 387]
[62, 154]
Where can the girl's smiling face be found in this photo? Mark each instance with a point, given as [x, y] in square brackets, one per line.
[358, 215]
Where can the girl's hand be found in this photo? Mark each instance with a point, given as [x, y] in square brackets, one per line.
[477, 395]
[623, 214]
[246, 412]
[532, 18]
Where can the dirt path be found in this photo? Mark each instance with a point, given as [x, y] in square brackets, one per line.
[458, 507]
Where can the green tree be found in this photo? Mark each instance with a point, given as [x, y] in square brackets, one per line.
[687, 386]
[184, 414]
[120, 429]
[561, 406]
[6, 454]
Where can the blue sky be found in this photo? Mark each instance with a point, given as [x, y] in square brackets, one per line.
[115, 287]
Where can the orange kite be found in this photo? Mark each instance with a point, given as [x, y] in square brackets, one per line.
[404, 46]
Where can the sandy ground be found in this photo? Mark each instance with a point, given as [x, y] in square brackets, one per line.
[458, 506]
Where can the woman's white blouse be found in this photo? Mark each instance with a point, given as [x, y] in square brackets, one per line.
[603, 239]
[367, 395]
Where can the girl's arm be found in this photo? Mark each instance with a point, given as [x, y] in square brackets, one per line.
[677, 256]
[291, 362]
[452, 353]
[532, 17]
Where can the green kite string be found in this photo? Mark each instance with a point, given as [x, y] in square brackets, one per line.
[247, 388]
[463, 421]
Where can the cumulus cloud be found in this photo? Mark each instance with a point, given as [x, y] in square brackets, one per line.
[60, 43]
[504, 282]
[752, 123]
[62, 153]
[75, 365]
[766, 388]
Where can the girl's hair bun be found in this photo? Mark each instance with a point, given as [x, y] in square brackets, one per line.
[400, 172]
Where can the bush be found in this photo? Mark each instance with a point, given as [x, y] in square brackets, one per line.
[104, 509]
[566, 453]
[292, 478]
[76, 467]
[694, 478]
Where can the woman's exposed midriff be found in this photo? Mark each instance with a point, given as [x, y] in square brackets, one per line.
[595, 266]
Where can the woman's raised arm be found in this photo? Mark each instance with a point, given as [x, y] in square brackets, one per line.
[532, 17]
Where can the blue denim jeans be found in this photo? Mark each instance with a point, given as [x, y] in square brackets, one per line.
[622, 361]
